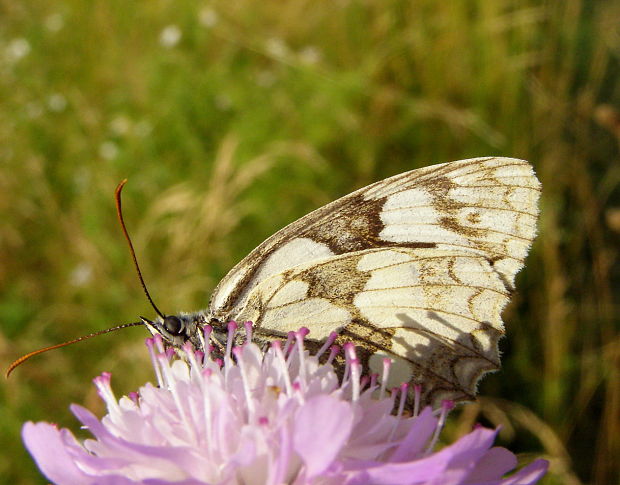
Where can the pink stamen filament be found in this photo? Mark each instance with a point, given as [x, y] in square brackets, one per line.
[290, 338]
[102, 383]
[446, 406]
[299, 338]
[150, 345]
[374, 377]
[387, 364]
[232, 328]
[333, 352]
[248, 331]
[159, 343]
[404, 387]
[277, 346]
[364, 381]
[328, 343]
[417, 396]
[356, 371]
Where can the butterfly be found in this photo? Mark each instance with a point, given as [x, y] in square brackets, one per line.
[416, 268]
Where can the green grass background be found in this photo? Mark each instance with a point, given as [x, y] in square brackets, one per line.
[231, 119]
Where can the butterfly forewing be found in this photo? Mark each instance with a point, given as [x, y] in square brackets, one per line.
[417, 267]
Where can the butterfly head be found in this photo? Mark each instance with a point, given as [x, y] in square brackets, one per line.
[176, 330]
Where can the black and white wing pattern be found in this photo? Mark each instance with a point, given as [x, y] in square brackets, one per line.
[416, 267]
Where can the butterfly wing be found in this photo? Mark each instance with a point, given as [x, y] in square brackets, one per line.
[435, 312]
[416, 267]
[487, 206]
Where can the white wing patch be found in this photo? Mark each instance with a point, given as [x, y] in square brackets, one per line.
[417, 268]
[296, 251]
[488, 207]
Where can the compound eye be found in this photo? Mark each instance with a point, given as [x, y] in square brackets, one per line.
[173, 325]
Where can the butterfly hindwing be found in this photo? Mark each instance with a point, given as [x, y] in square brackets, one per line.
[436, 313]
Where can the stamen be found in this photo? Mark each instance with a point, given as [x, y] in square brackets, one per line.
[299, 338]
[290, 338]
[330, 340]
[393, 395]
[349, 355]
[401, 406]
[349, 351]
[277, 346]
[159, 342]
[364, 381]
[232, 328]
[334, 350]
[102, 383]
[417, 397]
[297, 392]
[134, 396]
[356, 371]
[352, 369]
[374, 377]
[446, 406]
[248, 331]
[387, 364]
[404, 387]
[189, 351]
[163, 363]
[150, 345]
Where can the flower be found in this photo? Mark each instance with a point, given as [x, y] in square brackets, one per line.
[170, 36]
[273, 417]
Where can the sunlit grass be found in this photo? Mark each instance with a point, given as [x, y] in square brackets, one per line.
[232, 119]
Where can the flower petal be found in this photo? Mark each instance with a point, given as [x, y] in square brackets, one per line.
[44, 443]
[493, 465]
[114, 453]
[470, 448]
[451, 465]
[420, 471]
[53, 449]
[419, 434]
[529, 474]
[322, 427]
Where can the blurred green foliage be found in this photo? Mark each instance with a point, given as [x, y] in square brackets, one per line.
[231, 119]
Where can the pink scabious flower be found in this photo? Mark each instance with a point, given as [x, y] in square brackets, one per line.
[266, 418]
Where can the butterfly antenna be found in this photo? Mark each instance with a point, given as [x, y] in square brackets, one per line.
[133, 253]
[24, 358]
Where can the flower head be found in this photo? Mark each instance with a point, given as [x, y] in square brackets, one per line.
[271, 417]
